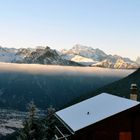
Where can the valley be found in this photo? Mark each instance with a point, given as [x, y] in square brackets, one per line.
[50, 84]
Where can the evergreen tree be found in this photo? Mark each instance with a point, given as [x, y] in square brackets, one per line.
[49, 124]
[31, 126]
[35, 128]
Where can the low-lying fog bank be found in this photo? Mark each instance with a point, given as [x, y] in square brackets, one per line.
[49, 84]
[56, 69]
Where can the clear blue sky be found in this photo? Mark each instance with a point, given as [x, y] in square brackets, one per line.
[111, 25]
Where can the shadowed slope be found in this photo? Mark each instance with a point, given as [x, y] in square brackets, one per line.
[50, 85]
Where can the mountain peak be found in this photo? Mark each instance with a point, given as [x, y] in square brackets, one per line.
[96, 57]
[79, 46]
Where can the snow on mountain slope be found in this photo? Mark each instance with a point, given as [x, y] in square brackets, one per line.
[122, 64]
[47, 56]
[7, 55]
[78, 55]
[105, 64]
[40, 55]
[12, 54]
[96, 57]
[118, 64]
[83, 60]
[88, 52]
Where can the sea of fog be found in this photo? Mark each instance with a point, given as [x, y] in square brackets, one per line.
[50, 85]
[62, 70]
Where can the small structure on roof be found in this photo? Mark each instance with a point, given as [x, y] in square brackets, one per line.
[103, 117]
[134, 92]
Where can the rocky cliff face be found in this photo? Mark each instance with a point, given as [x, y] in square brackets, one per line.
[84, 51]
[40, 55]
[47, 56]
[119, 63]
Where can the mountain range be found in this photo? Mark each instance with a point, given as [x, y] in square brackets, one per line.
[78, 55]
[97, 58]
[39, 55]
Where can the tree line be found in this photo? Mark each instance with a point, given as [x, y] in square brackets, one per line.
[38, 128]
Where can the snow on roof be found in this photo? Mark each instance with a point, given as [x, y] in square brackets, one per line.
[94, 110]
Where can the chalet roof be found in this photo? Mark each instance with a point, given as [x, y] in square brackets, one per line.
[94, 110]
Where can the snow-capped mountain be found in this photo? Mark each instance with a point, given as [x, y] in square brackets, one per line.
[47, 56]
[96, 57]
[122, 64]
[83, 60]
[118, 64]
[84, 51]
[39, 55]
[7, 54]
[22, 53]
[77, 55]
[13, 55]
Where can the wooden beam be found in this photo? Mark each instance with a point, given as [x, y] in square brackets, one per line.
[63, 136]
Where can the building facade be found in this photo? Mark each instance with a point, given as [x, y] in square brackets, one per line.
[103, 117]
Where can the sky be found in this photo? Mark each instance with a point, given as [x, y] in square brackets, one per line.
[111, 25]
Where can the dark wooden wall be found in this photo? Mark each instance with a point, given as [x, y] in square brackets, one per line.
[123, 126]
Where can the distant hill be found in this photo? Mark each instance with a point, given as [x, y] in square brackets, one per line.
[119, 88]
[50, 85]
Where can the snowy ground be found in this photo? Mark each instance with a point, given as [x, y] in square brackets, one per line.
[10, 121]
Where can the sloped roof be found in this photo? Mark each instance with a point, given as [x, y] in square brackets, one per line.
[94, 110]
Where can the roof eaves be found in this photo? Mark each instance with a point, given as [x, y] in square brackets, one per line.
[66, 125]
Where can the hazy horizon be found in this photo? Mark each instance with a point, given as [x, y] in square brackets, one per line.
[112, 26]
